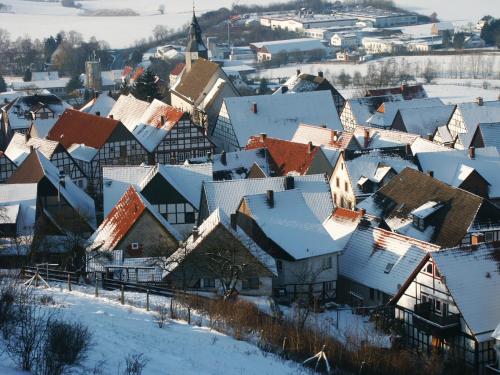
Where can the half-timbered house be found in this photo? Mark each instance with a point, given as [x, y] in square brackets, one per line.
[167, 133]
[95, 141]
[7, 167]
[450, 303]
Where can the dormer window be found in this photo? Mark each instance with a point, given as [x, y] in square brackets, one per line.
[423, 213]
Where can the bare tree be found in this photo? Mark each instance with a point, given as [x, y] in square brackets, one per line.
[161, 8]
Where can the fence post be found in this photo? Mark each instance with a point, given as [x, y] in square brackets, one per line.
[122, 295]
[147, 299]
[189, 314]
[69, 282]
[172, 307]
[96, 286]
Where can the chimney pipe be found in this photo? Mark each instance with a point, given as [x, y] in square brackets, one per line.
[254, 107]
[195, 233]
[209, 156]
[298, 72]
[263, 137]
[149, 99]
[362, 212]
[430, 173]
[62, 179]
[111, 116]
[472, 152]
[320, 74]
[366, 138]
[408, 150]
[429, 136]
[289, 182]
[223, 157]
[479, 101]
[233, 218]
[98, 113]
[270, 198]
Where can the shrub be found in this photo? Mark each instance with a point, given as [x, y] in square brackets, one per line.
[135, 364]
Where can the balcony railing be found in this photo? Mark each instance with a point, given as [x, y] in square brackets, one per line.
[427, 318]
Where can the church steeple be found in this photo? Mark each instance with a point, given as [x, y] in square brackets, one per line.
[195, 47]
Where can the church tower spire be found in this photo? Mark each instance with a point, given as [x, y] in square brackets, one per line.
[195, 47]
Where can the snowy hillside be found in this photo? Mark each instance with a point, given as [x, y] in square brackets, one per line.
[452, 10]
[177, 348]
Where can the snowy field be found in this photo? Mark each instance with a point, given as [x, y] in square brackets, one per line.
[177, 348]
[41, 19]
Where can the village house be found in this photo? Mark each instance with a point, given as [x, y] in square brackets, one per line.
[432, 211]
[440, 28]
[202, 85]
[422, 121]
[302, 82]
[172, 190]
[227, 195]
[385, 114]
[357, 111]
[304, 22]
[94, 141]
[450, 303]
[322, 136]
[357, 175]
[383, 139]
[277, 116]
[237, 164]
[136, 228]
[284, 225]
[383, 45]
[198, 263]
[466, 117]
[407, 91]
[344, 40]
[21, 146]
[168, 134]
[21, 113]
[375, 263]
[266, 51]
[291, 158]
[7, 167]
[473, 170]
[100, 105]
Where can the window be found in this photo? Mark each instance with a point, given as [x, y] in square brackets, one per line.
[208, 282]
[337, 181]
[428, 269]
[329, 286]
[134, 245]
[251, 283]
[335, 198]
[279, 265]
[346, 186]
[327, 263]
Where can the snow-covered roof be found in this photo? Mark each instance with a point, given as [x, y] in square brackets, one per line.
[490, 134]
[383, 138]
[102, 104]
[474, 114]
[301, 44]
[426, 209]
[472, 278]
[291, 224]
[187, 179]
[424, 145]
[227, 195]
[496, 333]
[380, 259]
[425, 120]
[374, 166]
[384, 117]
[205, 229]
[144, 119]
[341, 224]
[19, 147]
[363, 108]
[79, 151]
[117, 179]
[122, 218]
[279, 115]
[454, 166]
[320, 136]
[237, 164]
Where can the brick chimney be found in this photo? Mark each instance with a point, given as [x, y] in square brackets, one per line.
[289, 183]
[262, 137]
[362, 212]
[366, 138]
[476, 238]
[320, 74]
[209, 156]
[270, 198]
[195, 233]
[298, 72]
[254, 107]
[310, 147]
[430, 173]
[472, 152]
[111, 116]
[98, 113]
[479, 101]
[429, 136]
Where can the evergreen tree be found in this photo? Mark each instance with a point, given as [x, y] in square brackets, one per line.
[74, 84]
[491, 32]
[27, 75]
[3, 85]
[49, 48]
[145, 86]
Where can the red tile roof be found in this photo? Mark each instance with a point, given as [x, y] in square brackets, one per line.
[178, 69]
[287, 157]
[346, 214]
[120, 219]
[82, 128]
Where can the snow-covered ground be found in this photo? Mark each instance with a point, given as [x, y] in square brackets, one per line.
[177, 348]
[453, 10]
